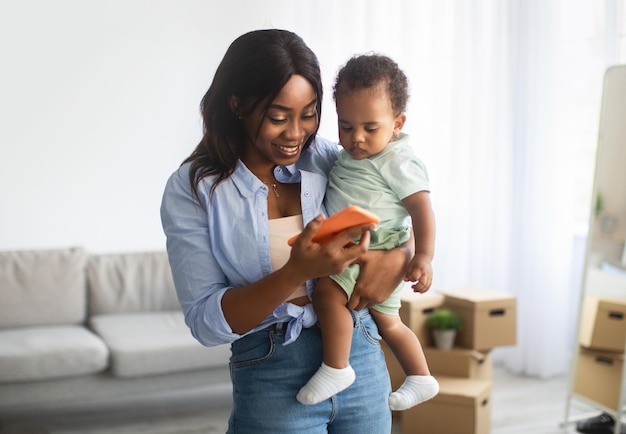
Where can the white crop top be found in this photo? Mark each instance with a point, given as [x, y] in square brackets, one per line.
[281, 230]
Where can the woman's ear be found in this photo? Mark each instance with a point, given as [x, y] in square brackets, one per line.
[234, 106]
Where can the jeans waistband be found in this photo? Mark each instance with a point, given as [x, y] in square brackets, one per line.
[359, 315]
[279, 328]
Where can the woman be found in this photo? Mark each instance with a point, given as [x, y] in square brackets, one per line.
[257, 177]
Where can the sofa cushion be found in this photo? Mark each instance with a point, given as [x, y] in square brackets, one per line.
[44, 287]
[149, 343]
[37, 353]
[130, 282]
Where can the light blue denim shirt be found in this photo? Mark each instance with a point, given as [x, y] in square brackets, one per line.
[224, 243]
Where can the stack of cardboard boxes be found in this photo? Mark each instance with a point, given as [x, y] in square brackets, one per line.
[601, 352]
[463, 405]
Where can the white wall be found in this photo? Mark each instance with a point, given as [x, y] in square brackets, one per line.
[99, 104]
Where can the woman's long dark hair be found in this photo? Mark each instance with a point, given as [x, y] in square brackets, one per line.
[254, 69]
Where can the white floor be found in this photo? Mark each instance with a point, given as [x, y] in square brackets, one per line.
[522, 405]
[519, 406]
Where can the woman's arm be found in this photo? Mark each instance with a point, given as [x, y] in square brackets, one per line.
[198, 278]
[247, 306]
[216, 310]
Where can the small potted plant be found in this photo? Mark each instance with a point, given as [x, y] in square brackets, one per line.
[444, 325]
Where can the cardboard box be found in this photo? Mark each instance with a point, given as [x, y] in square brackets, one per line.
[599, 376]
[459, 362]
[415, 310]
[489, 317]
[603, 323]
[463, 406]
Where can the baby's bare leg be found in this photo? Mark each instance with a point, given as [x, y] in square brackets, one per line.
[329, 302]
[335, 374]
[419, 385]
[403, 342]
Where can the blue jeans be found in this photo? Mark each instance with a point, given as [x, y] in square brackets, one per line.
[267, 376]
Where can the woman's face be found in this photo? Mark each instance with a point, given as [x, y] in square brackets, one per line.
[284, 128]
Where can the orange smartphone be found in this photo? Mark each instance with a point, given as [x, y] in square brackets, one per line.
[344, 219]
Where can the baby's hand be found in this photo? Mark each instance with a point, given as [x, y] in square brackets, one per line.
[420, 271]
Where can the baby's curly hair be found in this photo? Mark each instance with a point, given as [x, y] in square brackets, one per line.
[367, 70]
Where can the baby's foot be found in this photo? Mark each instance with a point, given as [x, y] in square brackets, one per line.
[325, 383]
[415, 390]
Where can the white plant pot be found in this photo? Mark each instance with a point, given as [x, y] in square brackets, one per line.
[444, 339]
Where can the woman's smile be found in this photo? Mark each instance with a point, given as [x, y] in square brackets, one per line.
[288, 151]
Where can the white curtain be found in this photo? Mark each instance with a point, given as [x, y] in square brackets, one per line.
[504, 111]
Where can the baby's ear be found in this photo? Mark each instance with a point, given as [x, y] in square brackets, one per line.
[398, 123]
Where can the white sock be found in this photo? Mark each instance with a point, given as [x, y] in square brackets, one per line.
[415, 390]
[325, 383]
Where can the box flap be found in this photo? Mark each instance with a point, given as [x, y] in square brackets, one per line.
[600, 355]
[616, 306]
[463, 391]
[478, 299]
[455, 353]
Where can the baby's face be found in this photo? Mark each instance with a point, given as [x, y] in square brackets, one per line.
[366, 120]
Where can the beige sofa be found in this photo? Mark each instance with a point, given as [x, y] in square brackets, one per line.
[77, 328]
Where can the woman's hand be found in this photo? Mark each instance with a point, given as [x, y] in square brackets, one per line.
[313, 260]
[381, 272]
[245, 307]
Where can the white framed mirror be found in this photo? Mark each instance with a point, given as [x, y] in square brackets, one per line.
[605, 267]
[598, 369]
